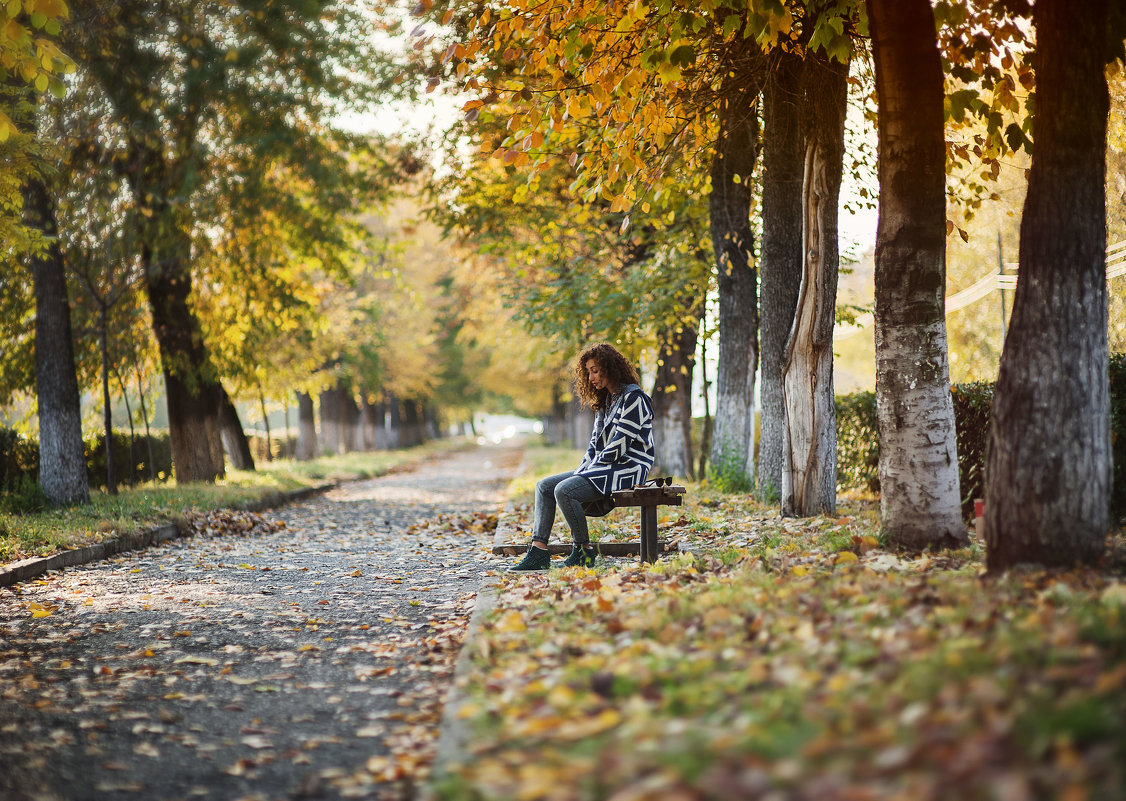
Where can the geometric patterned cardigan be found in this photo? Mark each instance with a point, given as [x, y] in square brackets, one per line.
[621, 447]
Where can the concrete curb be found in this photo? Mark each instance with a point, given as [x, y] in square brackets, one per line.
[38, 565]
[454, 733]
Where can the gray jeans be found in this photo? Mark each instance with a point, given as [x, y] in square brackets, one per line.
[567, 491]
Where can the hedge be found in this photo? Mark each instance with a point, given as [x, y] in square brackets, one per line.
[858, 449]
[19, 459]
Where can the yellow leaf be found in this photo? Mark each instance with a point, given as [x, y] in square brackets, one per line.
[846, 557]
[799, 570]
[510, 621]
[538, 725]
[578, 108]
[561, 696]
[587, 727]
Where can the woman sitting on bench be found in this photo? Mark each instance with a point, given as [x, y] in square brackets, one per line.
[619, 455]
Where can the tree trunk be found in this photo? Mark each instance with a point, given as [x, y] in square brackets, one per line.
[395, 422]
[350, 419]
[729, 208]
[234, 438]
[148, 432]
[107, 410]
[919, 497]
[331, 415]
[286, 450]
[783, 168]
[555, 426]
[1048, 473]
[306, 428]
[382, 421]
[132, 429]
[809, 452]
[62, 460]
[412, 424]
[194, 397]
[672, 400]
[706, 434]
[580, 424]
[266, 424]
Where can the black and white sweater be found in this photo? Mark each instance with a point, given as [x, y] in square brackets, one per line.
[621, 447]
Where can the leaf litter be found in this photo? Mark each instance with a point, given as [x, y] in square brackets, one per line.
[798, 659]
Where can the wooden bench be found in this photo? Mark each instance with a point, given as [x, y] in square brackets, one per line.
[649, 498]
[649, 547]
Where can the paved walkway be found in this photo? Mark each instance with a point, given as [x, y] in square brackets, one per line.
[304, 661]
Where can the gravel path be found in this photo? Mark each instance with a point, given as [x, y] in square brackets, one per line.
[253, 661]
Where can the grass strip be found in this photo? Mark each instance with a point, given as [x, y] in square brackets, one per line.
[137, 508]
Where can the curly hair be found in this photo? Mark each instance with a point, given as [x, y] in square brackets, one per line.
[615, 367]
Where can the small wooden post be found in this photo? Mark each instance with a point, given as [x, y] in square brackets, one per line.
[649, 533]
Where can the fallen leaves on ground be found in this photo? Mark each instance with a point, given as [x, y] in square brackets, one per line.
[798, 660]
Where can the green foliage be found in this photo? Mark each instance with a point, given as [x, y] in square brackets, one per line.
[1118, 431]
[24, 498]
[858, 453]
[972, 405]
[132, 465]
[858, 449]
[725, 473]
[19, 459]
[199, 139]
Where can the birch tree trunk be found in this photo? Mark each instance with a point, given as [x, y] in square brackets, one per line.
[783, 169]
[729, 207]
[809, 452]
[919, 495]
[62, 460]
[1048, 473]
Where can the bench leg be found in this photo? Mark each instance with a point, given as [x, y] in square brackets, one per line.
[648, 533]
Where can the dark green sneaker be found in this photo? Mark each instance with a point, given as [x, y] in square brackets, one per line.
[534, 559]
[583, 556]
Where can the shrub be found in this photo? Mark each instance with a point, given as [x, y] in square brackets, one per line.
[131, 465]
[973, 405]
[726, 475]
[1118, 432]
[19, 457]
[24, 498]
[858, 448]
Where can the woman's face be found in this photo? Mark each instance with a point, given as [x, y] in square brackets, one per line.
[594, 374]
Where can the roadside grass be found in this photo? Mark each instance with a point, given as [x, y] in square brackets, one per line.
[137, 508]
[798, 659]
